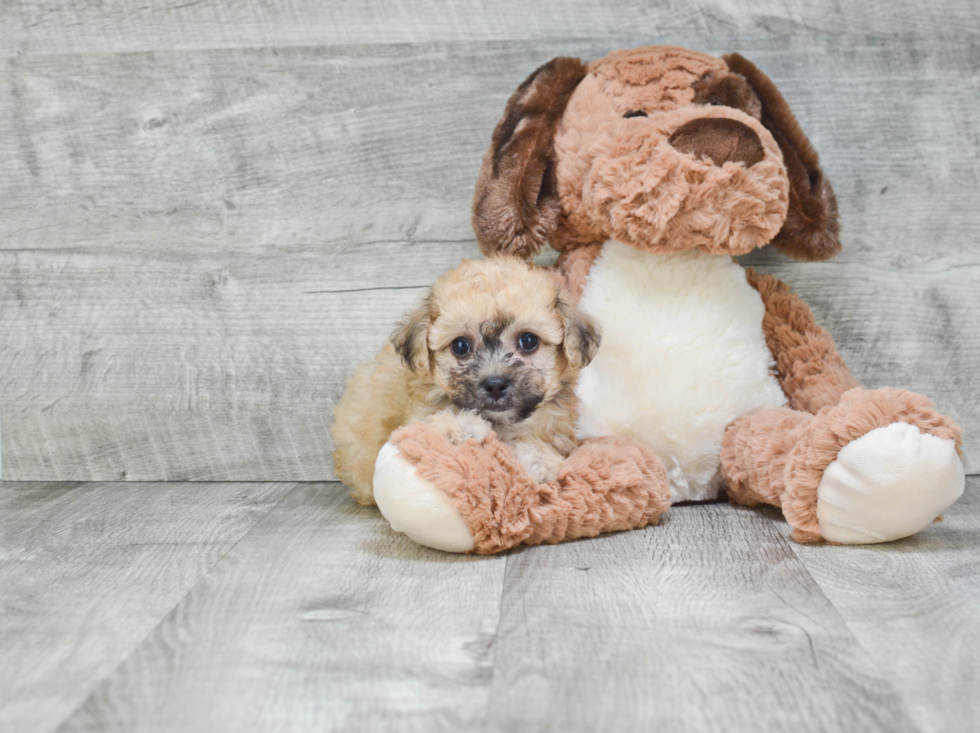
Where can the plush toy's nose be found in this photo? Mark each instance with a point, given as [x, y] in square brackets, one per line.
[720, 139]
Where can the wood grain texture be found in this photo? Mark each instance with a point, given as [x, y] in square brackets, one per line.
[236, 367]
[708, 622]
[321, 619]
[117, 25]
[127, 608]
[88, 570]
[176, 229]
[913, 605]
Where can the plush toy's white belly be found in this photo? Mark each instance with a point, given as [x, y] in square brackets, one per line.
[682, 356]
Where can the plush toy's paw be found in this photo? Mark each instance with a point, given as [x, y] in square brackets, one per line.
[887, 484]
[416, 506]
[477, 497]
[459, 426]
[880, 465]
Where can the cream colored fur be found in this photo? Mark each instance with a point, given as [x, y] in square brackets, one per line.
[381, 397]
[416, 507]
[888, 484]
[683, 355]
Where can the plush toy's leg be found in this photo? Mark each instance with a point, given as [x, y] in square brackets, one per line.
[474, 497]
[879, 466]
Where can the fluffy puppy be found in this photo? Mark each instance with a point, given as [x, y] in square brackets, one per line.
[494, 346]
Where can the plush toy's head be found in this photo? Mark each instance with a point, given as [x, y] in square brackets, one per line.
[661, 148]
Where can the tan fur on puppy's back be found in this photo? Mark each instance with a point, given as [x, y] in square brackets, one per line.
[378, 400]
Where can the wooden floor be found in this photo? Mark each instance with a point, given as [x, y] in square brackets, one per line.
[241, 607]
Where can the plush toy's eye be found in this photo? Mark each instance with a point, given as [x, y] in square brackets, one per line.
[460, 346]
[528, 342]
[635, 113]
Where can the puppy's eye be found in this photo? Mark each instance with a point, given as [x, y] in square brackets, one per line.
[460, 346]
[527, 342]
[635, 113]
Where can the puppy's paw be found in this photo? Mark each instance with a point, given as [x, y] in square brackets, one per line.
[541, 462]
[458, 427]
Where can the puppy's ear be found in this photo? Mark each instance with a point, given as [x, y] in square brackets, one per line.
[812, 225]
[411, 340]
[582, 336]
[516, 207]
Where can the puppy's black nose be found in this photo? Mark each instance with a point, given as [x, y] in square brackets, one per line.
[495, 387]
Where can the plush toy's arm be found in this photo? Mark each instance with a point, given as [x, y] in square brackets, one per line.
[475, 497]
[810, 370]
[574, 265]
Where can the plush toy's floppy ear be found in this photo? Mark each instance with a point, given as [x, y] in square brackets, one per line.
[411, 340]
[812, 225]
[515, 207]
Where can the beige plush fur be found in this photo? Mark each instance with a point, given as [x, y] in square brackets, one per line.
[778, 456]
[605, 485]
[524, 395]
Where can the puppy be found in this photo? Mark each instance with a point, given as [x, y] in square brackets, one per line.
[494, 346]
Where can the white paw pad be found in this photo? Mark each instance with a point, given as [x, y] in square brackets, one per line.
[415, 506]
[888, 484]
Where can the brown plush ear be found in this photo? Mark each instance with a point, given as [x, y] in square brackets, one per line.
[515, 207]
[812, 224]
[411, 340]
[582, 336]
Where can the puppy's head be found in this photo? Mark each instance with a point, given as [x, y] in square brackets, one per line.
[497, 337]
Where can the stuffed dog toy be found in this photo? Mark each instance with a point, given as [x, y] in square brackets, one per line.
[648, 170]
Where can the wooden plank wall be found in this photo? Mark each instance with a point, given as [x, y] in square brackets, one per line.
[209, 215]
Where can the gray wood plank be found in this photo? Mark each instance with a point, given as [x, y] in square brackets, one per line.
[708, 622]
[914, 606]
[88, 570]
[322, 618]
[169, 224]
[241, 383]
[301, 150]
[53, 27]
[195, 369]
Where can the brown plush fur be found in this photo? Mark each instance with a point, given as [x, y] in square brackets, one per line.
[727, 90]
[491, 304]
[621, 178]
[515, 207]
[666, 150]
[660, 147]
[778, 457]
[812, 226]
[810, 371]
[720, 140]
[574, 266]
[606, 485]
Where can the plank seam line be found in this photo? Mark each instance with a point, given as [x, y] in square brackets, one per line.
[493, 643]
[163, 617]
[365, 290]
[881, 679]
